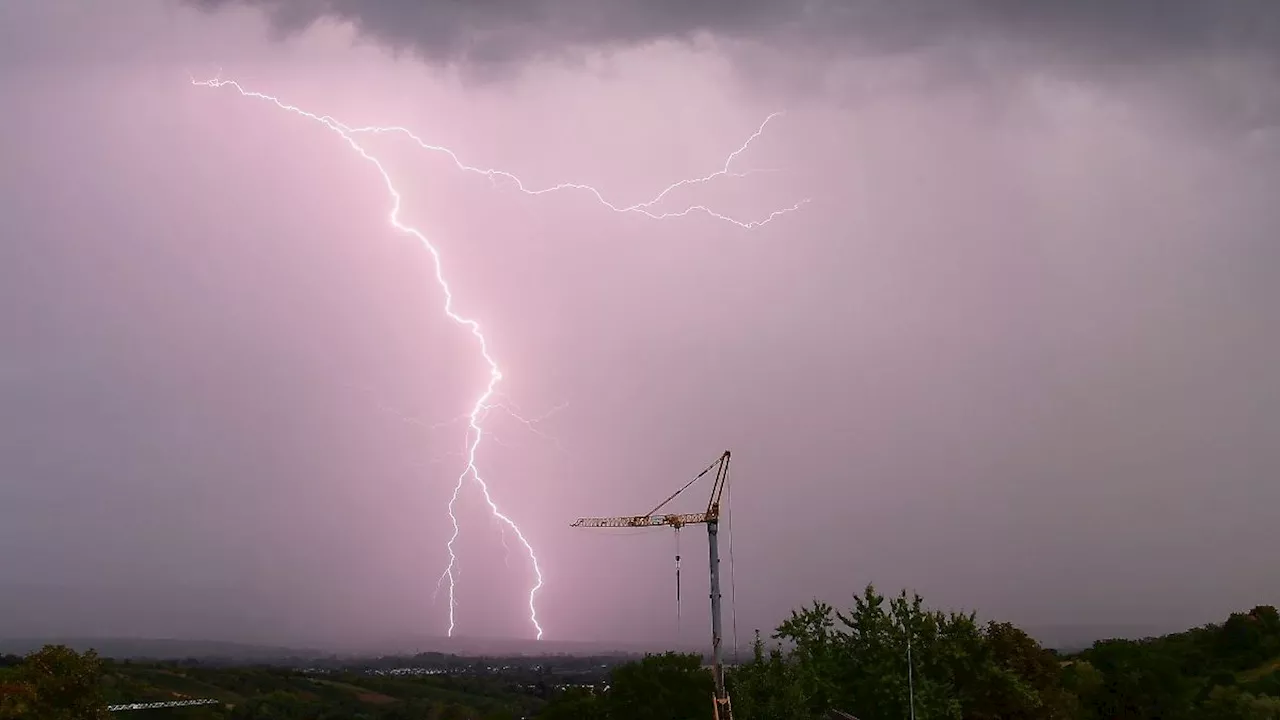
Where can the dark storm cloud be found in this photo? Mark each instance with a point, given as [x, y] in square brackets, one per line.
[1093, 31]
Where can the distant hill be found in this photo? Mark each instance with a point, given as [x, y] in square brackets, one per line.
[1070, 638]
[178, 649]
[161, 649]
[1064, 638]
[471, 646]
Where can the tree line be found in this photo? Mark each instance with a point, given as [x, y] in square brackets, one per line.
[819, 659]
[856, 660]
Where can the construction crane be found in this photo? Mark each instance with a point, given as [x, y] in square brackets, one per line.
[711, 518]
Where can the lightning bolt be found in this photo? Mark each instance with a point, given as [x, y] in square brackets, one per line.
[509, 408]
[486, 401]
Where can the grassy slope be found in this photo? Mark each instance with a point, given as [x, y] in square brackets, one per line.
[142, 682]
[1270, 667]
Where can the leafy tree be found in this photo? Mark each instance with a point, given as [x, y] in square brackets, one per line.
[575, 704]
[55, 683]
[769, 688]
[1230, 703]
[17, 699]
[857, 661]
[1021, 680]
[816, 657]
[1082, 683]
[1139, 681]
[671, 685]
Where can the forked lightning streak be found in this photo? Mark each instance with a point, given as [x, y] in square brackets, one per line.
[486, 401]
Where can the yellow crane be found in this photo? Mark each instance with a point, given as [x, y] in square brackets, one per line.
[711, 518]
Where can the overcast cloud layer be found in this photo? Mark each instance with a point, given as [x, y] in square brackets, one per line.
[1019, 352]
[1216, 60]
[1091, 30]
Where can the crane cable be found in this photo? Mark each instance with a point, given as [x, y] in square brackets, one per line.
[695, 479]
[733, 586]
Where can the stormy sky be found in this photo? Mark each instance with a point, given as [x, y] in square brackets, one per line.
[1018, 352]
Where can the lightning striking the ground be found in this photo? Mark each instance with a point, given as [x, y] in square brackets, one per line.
[488, 399]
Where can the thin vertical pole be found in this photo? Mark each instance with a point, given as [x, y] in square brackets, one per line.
[911, 683]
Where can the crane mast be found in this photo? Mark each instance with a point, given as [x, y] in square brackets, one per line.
[711, 518]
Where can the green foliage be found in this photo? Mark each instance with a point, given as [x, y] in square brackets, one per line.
[1231, 703]
[671, 685]
[54, 683]
[1211, 671]
[59, 684]
[822, 658]
[772, 687]
[575, 704]
[856, 661]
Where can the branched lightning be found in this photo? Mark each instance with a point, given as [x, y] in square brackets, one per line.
[507, 407]
[644, 208]
[487, 401]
